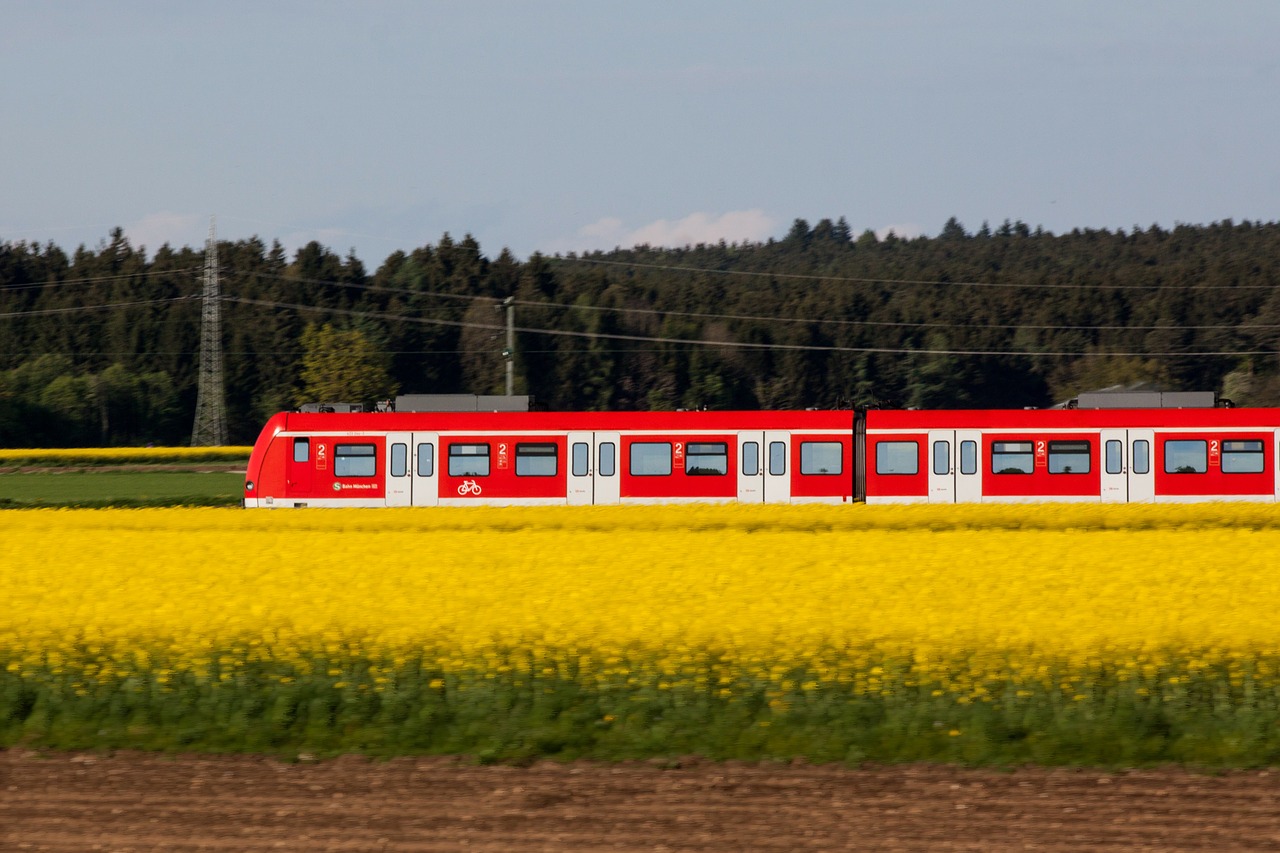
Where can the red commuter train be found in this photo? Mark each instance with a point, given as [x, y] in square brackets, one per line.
[460, 458]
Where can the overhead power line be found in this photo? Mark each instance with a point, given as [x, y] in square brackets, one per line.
[97, 279]
[75, 309]
[496, 328]
[837, 279]
[755, 318]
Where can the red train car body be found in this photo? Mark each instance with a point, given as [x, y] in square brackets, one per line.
[1108, 455]
[530, 458]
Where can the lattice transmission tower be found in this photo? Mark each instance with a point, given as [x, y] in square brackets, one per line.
[210, 428]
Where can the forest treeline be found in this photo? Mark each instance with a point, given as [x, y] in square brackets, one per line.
[101, 346]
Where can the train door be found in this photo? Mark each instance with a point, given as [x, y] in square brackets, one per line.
[942, 468]
[968, 466]
[1126, 465]
[593, 468]
[582, 490]
[954, 473]
[426, 469]
[751, 467]
[607, 481]
[1142, 478]
[777, 479]
[399, 489]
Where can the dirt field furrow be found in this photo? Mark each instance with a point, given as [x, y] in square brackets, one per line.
[129, 802]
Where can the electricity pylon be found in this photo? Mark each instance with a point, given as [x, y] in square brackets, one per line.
[210, 428]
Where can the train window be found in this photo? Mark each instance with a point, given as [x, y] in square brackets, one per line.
[821, 457]
[650, 458]
[608, 454]
[426, 460]
[1186, 456]
[751, 458]
[1114, 451]
[536, 460]
[1142, 456]
[968, 457]
[1242, 457]
[581, 458]
[942, 457]
[399, 460]
[777, 458]
[355, 460]
[1069, 457]
[897, 457]
[1012, 457]
[468, 460]
[302, 450]
[706, 458]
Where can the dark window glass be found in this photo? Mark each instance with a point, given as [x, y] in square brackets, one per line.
[1012, 457]
[608, 459]
[1242, 457]
[355, 460]
[650, 458]
[426, 460]
[581, 461]
[897, 457]
[706, 458]
[777, 458]
[1186, 456]
[536, 460]
[821, 457]
[968, 457]
[468, 460]
[302, 450]
[751, 458]
[1115, 456]
[1069, 457]
[942, 457]
[399, 460]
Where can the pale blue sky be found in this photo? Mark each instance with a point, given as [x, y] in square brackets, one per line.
[559, 126]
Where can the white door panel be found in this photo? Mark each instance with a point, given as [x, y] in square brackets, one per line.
[426, 468]
[751, 467]
[399, 489]
[940, 457]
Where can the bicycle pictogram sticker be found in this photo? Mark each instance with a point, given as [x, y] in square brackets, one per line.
[469, 487]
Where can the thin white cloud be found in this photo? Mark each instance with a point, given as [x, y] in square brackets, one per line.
[176, 229]
[736, 226]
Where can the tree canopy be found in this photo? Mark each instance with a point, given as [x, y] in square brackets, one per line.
[102, 345]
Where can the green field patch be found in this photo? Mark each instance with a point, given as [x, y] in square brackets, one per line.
[120, 488]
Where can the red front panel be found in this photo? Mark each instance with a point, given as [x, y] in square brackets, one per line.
[502, 466]
[896, 465]
[349, 466]
[822, 465]
[679, 466]
[1227, 463]
[1041, 465]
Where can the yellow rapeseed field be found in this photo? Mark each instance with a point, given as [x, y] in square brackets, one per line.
[967, 595]
[995, 634]
[101, 455]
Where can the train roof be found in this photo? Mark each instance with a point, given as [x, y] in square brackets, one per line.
[839, 419]
[916, 419]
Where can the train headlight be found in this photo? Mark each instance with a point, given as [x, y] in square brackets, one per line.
[248, 486]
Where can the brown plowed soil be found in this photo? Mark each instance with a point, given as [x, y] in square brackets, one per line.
[135, 802]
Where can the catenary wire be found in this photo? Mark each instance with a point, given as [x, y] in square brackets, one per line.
[720, 344]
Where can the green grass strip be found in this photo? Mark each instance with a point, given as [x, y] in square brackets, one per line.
[523, 710]
[119, 488]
